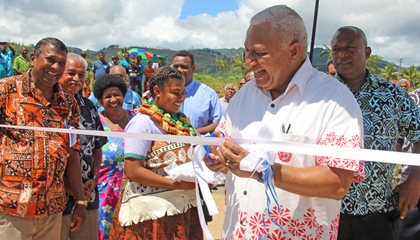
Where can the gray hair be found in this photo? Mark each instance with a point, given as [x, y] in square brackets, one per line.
[356, 30]
[77, 57]
[284, 22]
[403, 80]
[229, 85]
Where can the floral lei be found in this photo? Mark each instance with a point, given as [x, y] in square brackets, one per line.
[176, 126]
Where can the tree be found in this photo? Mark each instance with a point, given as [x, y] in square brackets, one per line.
[122, 51]
[411, 73]
[238, 61]
[327, 51]
[372, 64]
[389, 71]
[220, 62]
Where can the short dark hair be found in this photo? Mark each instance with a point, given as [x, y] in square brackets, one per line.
[49, 40]
[106, 82]
[184, 53]
[247, 71]
[162, 76]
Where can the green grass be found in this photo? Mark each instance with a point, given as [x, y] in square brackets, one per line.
[217, 82]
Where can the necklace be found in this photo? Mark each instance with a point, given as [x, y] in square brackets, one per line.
[120, 122]
[178, 125]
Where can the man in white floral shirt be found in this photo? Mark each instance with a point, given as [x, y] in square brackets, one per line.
[287, 100]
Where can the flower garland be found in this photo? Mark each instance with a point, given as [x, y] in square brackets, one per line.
[176, 126]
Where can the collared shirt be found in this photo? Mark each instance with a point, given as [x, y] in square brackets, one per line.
[100, 69]
[388, 113]
[224, 103]
[89, 120]
[201, 105]
[132, 101]
[21, 64]
[32, 163]
[314, 109]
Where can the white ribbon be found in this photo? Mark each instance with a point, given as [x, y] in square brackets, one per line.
[275, 146]
[257, 161]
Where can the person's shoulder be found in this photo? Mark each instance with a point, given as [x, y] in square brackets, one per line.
[204, 87]
[385, 85]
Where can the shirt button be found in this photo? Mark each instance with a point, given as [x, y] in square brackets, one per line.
[272, 105]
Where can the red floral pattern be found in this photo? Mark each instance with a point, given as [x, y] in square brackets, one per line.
[257, 225]
[284, 156]
[332, 139]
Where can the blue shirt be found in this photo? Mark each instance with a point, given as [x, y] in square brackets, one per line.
[201, 105]
[8, 62]
[100, 69]
[131, 101]
[124, 63]
[388, 113]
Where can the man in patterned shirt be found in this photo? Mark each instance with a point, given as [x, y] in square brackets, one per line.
[90, 151]
[34, 164]
[369, 210]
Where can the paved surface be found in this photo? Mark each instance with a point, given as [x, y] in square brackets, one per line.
[216, 225]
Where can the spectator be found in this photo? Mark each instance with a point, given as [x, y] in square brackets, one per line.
[229, 92]
[248, 75]
[90, 152]
[330, 68]
[410, 225]
[241, 82]
[201, 103]
[88, 85]
[126, 61]
[148, 74]
[404, 83]
[21, 63]
[36, 165]
[100, 67]
[110, 90]
[132, 100]
[133, 73]
[140, 74]
[115, 61]
[7, 53]
[282, 99]
[388, 113]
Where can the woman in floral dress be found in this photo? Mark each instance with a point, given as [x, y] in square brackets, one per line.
[110, 91]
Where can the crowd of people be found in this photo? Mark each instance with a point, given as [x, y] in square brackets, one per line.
[57, 185]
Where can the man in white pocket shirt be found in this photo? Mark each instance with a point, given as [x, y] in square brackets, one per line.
[288, 100]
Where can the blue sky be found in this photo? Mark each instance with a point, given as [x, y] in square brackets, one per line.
[210, 7]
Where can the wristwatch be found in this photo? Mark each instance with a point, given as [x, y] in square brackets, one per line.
[82, 202]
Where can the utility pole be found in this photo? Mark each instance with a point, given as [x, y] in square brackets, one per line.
[399, 68]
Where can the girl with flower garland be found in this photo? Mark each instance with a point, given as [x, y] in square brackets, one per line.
[153, 206]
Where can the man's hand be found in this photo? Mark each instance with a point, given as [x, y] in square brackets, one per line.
[231, 154]
[409, 193]
[78, 217]
[88, 187]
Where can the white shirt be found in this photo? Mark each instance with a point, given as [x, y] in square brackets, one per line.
[224, 103]
[319, 110]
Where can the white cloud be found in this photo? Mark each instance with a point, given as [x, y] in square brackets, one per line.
[392, 26]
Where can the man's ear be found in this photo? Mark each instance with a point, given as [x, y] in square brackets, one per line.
[295, 51]
[193, 67]
[368, 51]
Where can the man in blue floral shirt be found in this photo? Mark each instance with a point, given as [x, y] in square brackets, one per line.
[371, 210]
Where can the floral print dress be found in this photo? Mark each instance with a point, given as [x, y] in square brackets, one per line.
[110, 179]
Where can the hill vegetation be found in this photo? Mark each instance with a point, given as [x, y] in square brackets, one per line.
[216, 67]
